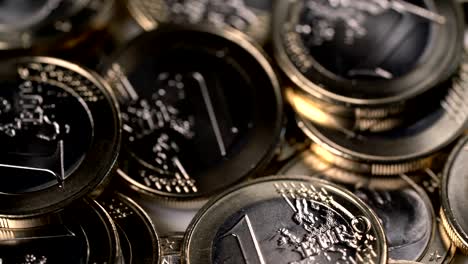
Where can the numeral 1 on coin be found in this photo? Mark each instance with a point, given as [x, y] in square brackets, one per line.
[245, 236]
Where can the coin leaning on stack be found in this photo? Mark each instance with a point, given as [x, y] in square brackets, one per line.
[247, 131]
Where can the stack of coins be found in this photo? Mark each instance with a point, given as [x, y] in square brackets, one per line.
[238, 131]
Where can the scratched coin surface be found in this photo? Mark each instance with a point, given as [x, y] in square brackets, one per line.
[454, 196]
[285, 220]
[85, 235]
[406, 214]
[139, 241]
[59, 129]
[201, 110]
[252, 17]
[341, 51]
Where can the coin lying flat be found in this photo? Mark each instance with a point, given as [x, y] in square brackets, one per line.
[49, 23]
[367, 58]
[59, 130]
[406, 212]
[191, 128]
[252, 17]
[453, 196]
[138, 239]
[285, 220]
[85, 235]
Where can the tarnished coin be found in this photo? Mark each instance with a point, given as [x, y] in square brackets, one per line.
[60, 136]
[44, 24]
[285, 220]
[138, 238]
[406, 213]
[192, 129]
[252, 17]
[341, 51]
[85, 235]
[454, 196]
[408, 148]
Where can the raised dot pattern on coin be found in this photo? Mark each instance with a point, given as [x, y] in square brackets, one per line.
[39, 121]
[405, 213]
[190, 128]
[138, 239]
[59, 128]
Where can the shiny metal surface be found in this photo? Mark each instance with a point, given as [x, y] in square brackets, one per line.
[280, 219]
[294, 56]
[405, 149]
[139, 241]
[453, 196]
[252, 17]
[189, 132]
[406, 212]
[60, 135]
[86, 235]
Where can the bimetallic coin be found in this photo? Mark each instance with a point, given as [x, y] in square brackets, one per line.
[409, 148]
[138, 239]
[35, 24]
[406, 213]
[252, 17]
[191, 128]
[85, 235]
[453, 196]
[346, 119]
[285, 220]
[59, 128]
[339, 52]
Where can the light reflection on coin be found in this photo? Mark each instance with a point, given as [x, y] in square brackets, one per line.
[252, 17]
[454, 195]
[406, 214]
[285, 220]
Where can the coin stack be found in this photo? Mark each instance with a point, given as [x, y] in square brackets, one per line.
[238, 131]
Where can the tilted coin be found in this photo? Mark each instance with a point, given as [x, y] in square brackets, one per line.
[85, 235]
[59, 131]
[252, 17]
[365, 59]
[406, 214]
[138, 238]
[361, 119]
[408, 148]
[285, 220]
[41, 23]
[453, 196]
[310, 163]
[201, 109]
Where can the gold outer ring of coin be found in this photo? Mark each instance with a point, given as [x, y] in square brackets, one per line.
[452, 234]
[448, 219]
[30, 222]
[336, 174]
[344, 118]
[440, 249]
[370, 168]
[204, 226]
